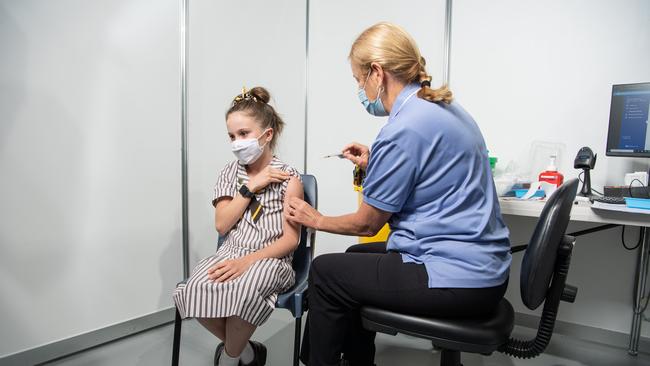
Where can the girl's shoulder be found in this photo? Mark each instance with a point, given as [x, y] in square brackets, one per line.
[230, 168]
[279, 164]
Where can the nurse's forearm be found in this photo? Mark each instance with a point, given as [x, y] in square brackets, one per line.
[346, 225]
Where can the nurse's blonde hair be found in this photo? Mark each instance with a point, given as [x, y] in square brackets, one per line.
[390, 46]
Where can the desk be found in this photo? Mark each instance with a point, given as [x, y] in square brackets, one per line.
[583, 211]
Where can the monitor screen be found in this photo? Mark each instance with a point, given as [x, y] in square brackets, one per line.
[629, 133]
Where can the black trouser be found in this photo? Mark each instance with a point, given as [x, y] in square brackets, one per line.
[339, 284]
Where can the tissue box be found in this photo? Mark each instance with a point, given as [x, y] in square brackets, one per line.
[643, 203]
[521, 192]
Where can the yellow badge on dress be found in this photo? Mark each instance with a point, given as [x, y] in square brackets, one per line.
[256, 209]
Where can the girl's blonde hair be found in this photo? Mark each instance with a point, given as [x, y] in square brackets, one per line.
[395, 51]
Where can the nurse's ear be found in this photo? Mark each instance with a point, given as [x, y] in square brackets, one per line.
[377, 73]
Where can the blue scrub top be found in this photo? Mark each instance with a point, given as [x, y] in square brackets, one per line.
[429, 166]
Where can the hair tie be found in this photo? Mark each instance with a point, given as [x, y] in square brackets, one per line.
[425, 83]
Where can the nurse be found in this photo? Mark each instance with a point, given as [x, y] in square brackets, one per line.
[428, 176]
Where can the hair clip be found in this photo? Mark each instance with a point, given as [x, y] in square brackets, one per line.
[245, 95]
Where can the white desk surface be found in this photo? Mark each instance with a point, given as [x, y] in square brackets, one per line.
[582, 211]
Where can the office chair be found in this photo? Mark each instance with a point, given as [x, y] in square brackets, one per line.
[544, 270]
[294, 298]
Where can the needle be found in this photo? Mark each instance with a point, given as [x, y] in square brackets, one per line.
[340, 156]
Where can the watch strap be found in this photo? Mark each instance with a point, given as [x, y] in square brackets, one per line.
[244, 191]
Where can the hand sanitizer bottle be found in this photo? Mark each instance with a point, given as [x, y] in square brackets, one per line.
[551, 175]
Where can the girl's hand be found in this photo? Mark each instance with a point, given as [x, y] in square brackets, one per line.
[357, 153]
[229, 269]
[267, 176]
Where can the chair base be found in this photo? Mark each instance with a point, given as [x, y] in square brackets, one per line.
[450, 358]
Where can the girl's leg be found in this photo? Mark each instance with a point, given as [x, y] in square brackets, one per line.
[216, 326]
[238, 332]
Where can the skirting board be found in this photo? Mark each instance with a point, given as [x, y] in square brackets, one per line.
[584, 332]
[68, 346]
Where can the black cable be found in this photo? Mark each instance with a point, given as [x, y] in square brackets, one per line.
[638, 243]
[581, 181]
[629, 188]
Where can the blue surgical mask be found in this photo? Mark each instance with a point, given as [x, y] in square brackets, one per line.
[376, 108]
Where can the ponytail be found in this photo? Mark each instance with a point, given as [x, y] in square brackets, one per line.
[442, 94]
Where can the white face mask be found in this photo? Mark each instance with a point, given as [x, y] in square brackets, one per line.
[249, 150]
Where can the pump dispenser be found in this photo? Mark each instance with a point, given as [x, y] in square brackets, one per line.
[551, 175]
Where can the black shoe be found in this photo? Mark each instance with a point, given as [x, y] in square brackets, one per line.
[217, 353]
[260, 355]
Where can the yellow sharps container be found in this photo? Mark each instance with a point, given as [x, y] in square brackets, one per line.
[382, 235]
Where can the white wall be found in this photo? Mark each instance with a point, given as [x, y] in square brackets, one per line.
[90, 162]
[336, 116]
[235, 44]
[529, 70]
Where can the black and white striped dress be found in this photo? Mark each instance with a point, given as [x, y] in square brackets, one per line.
[252, 295]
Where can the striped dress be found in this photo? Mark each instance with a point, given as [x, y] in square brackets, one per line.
[252, 295]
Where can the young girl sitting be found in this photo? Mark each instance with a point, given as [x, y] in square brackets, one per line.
[234, 291]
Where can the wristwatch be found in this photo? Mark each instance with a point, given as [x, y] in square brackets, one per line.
[244, 191]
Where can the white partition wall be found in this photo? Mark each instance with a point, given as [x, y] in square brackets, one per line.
[335, 115]
[231, 45]
[90, 166]
[530, 70]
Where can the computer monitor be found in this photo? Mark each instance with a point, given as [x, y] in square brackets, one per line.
[629, 132]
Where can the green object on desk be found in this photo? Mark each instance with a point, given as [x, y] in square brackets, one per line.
[493, 162]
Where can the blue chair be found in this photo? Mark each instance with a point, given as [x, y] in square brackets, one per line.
[294, 298]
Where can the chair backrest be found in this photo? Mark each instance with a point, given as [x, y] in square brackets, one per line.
[539, 260]
[302, 256]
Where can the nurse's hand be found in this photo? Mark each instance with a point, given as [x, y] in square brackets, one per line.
[300, 212]
[357, 153]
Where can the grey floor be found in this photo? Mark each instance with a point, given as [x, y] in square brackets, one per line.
[153, 347]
